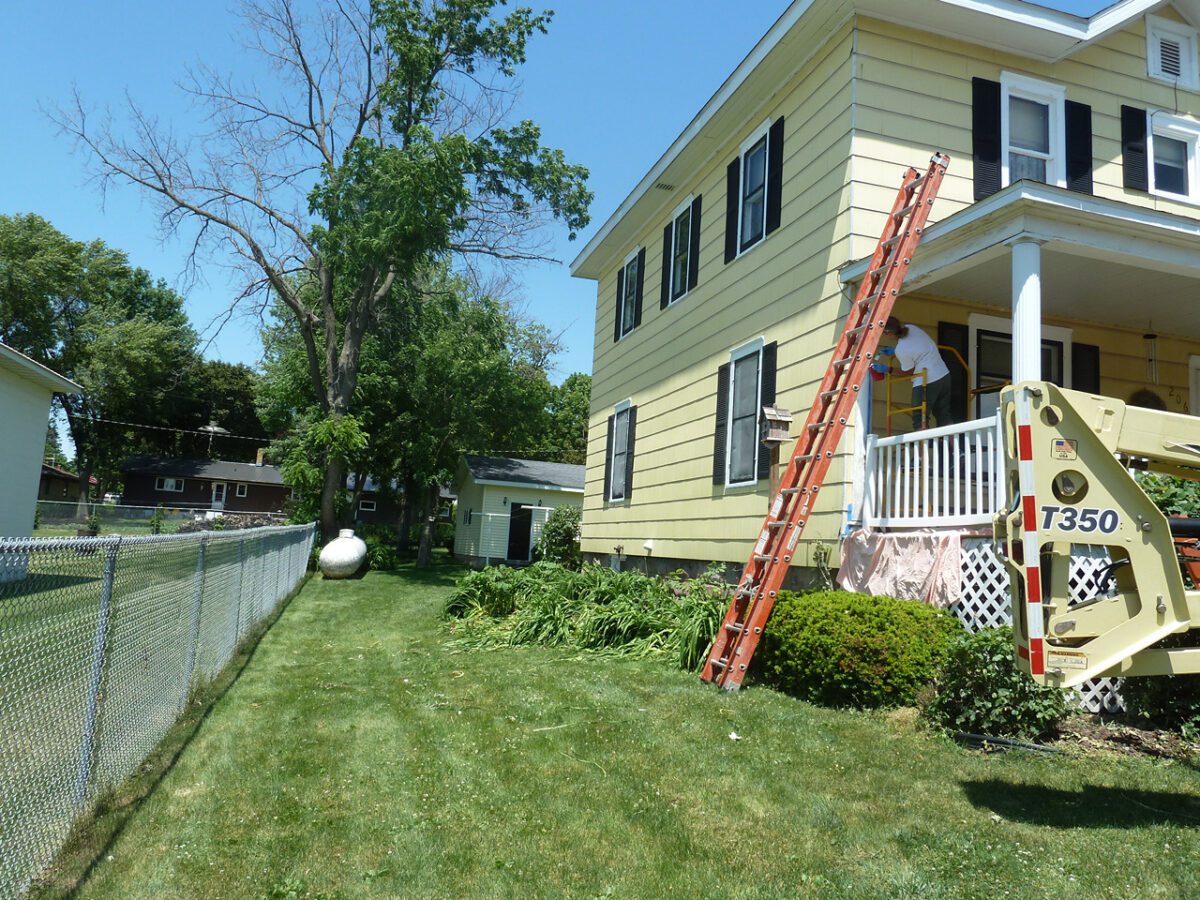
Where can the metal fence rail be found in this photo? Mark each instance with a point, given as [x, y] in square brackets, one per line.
[101, 642]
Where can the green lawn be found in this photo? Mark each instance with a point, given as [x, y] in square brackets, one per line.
[356, 756]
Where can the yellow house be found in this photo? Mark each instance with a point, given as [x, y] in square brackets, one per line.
[1070, 218]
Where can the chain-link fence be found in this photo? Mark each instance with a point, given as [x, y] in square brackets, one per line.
[101, 642]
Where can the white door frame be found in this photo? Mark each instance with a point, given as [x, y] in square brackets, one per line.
[219, 503]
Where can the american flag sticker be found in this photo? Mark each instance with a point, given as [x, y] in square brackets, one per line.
[1063, 449]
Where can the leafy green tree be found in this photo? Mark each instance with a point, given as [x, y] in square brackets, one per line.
[225, 394]
[82, 310]
[396, 107]
[568, 419]
[54, 453]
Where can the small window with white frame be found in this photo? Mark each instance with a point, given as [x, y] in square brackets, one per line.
[366, 506]
[1173, 150]
[1032, 133]
[681, 249]
[620, 450]
[242, 490]
[753, 196]
[628, 292]
[745, 386]
[1171, 52]
[169, 484]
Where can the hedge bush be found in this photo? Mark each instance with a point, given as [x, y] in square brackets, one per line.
[559, 542]
[980, 691]
[594, 608]
[1167, 701]
[843, 649]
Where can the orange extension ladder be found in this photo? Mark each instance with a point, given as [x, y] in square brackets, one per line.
[798, 488]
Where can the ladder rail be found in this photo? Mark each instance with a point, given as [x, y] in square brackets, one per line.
[816, 446]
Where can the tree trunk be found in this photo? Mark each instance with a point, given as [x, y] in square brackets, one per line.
[335, 469]
[428, 517]
[408, 505]
[82, 512]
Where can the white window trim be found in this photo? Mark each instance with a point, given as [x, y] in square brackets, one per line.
[1055, 97]
[612, 459]
[363, 507]
[621, 311]
[1189, 76]
[160, 484]
[977, 322]
[762, 132]
[1180, 128]
[748, 349]
[669, 264]
[242, 489]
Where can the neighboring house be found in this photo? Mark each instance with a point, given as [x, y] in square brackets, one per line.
[503, 504]
[376, 507]
[58, 484]
[203, 484]
[1072, 207]
[26, 389]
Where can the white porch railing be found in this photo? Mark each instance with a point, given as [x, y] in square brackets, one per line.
[952, 475]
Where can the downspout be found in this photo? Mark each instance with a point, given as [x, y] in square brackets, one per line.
[857, 438]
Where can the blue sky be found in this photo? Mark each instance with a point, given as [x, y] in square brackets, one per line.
[612, 84]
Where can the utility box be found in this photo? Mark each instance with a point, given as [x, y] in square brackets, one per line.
[775, 426]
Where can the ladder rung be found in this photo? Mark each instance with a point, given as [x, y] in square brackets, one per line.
[720, 663]
[892, 241]
[735, 628]
[882, 268]
[779, 523]
[833, 393]
[789, 490]
[817, 426]
[763, 557]
[906, 211]
[916, 182]
[856, 331]
[842, 363]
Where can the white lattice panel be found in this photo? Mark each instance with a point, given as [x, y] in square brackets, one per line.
[985, 603]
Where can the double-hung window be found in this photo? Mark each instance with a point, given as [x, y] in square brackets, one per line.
[754, 191]
[168, 484]
[1031, 130]
[744, 383]
[241, 490]
[1173, 149]
[629, 293]
[681, 247]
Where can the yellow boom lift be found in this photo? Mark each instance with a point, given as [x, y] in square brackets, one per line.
[1069, 457]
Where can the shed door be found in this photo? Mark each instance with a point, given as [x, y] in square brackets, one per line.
[520, 527]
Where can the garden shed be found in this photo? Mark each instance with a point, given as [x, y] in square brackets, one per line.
[503, 504]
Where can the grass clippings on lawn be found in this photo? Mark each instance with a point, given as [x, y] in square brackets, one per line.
[358, 756]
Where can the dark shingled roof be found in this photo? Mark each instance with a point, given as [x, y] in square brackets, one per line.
[212, 469]
[526, 471]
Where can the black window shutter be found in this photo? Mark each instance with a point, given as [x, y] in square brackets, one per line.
[629, 452]
[722, 426]
[985, 136]
[608, 453]
[733, 187]
[952, 334]
[693, 274]
[1079, 146]
[664, 298]
[1085, 368]
[774, 174]
[1133, 148]
[766, 397]
[617, 317]
[637, 299]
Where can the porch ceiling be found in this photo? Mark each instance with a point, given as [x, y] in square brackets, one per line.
[1102, 260]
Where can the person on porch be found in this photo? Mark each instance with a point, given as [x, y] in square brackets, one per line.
[917, 352]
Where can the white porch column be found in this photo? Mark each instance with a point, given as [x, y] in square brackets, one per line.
[1026, 310]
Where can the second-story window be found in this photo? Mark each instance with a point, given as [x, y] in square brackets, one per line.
[754, 193]
[681, 249]
[629, 294]
[681, 245]
[1032, 131]
[754, 189]
[1173, 144]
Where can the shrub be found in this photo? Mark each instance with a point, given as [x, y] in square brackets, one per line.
[559, 542]
[1168, 701]
[594, 608]
[980, 691]
[381, 549]
[844, 649]
[1174, 496]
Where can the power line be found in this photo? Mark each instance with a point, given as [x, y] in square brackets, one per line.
[236, 437]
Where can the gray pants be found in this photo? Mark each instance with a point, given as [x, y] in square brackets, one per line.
[937, 403]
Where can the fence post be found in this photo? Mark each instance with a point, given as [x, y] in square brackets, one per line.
[99, 656]
[189, 663]
[237, 615]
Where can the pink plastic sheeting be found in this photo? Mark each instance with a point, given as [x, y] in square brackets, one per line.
[921, 565]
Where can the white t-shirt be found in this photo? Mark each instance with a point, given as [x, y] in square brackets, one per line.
[916, 351]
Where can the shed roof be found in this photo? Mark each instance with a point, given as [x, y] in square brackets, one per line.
[60, 472]
[551, 475]
[211, 469]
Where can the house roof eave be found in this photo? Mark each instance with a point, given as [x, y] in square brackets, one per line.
[15, 361]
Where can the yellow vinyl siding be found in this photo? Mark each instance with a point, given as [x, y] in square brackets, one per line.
[668, 366]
